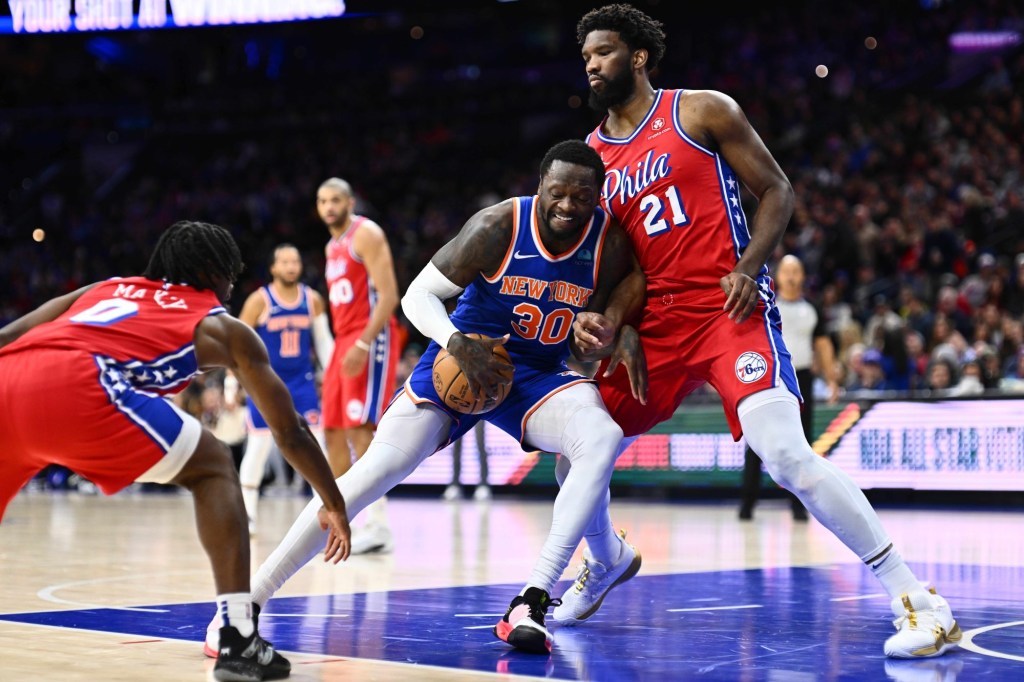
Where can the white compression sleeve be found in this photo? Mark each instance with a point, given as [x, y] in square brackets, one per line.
[323, 342]
[406, 436]
[423, 304]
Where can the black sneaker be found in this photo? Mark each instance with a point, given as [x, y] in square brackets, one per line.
[523, 623]
[248, 659]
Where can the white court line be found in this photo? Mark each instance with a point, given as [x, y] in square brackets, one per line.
[478, 615]
[478, 627]
[46, 594]
[303, 615]
[859, 596]
[717, 608]
[968, 641]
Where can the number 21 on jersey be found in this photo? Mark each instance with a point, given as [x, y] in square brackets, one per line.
[653, 206]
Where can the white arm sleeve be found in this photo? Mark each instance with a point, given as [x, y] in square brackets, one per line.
[423, 304]
[323, 342]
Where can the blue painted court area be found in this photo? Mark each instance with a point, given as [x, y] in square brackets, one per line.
[788, 624]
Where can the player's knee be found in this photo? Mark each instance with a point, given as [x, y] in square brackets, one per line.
[592, 436]
[211, 459]
[787, 464]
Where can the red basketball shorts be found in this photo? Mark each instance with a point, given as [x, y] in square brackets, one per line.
[689, 343]
[349, 402]
[63, 407]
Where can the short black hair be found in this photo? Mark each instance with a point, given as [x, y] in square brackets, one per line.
[191, 252]
[576, 152]
[636, 29]
[277, 249]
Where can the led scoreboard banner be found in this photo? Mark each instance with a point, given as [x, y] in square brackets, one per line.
[974, 444]
[62, 16]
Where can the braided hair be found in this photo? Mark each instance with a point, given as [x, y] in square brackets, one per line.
[193, 253]
[636, 29]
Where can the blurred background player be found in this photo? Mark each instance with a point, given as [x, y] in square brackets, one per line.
[454, 489]
[120, 346]
[803, 330]
[291, 320]
[360, 378]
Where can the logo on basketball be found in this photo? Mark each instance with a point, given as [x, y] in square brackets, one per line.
[750, 367]
[354, 409]
[658, 124]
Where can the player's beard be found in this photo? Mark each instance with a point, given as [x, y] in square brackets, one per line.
[617, 90]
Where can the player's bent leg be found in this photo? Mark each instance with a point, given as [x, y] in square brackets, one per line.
[408, 434]
[771, 424]
[251, 471]
[575, 422]
[220, 519]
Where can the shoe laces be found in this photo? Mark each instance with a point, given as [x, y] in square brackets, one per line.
[590, 572]
[917, 619]
[538, 607]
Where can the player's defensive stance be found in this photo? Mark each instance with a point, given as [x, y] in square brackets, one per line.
[99, 361]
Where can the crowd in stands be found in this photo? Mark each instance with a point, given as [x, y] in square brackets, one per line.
[906, 159]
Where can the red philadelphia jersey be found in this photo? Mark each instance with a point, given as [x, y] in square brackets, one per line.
[678, 201]
[350, 291]
[138, 329]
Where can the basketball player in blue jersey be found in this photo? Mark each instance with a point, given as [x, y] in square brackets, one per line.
[291, 320]
[522, 270]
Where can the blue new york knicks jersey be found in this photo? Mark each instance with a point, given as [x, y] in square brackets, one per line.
[533, 297]
[286, 331]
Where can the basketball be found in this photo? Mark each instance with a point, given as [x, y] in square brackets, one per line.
[453, 387]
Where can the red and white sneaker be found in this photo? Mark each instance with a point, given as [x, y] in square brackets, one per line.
[523, 623]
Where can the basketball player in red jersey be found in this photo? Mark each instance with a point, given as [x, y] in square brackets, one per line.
[102, 358]
[360, 378]
[675, 160]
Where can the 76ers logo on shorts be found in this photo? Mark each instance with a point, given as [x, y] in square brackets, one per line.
[750, 367]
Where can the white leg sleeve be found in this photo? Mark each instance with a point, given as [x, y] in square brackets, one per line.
[406, 436]
[771, 424]
[253, 467]
[575, 422]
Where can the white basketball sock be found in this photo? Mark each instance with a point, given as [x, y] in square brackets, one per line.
[235, 609]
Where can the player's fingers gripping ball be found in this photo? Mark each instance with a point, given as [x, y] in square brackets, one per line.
[452, 386]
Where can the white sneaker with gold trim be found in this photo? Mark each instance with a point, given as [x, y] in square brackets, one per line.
[925, 625]
[593, 583]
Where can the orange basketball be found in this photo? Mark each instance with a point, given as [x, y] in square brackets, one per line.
[453, 387]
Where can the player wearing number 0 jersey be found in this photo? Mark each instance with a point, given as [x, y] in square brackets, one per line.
[122, 342]
[676, 160]
[82, 380]
[524, 268]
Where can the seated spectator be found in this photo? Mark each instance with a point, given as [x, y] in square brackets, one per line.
[871, 377]
[942, 376]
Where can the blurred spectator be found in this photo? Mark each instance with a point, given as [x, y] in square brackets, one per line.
[871, 376]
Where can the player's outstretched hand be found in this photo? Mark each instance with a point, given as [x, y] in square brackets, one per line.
[485, 371]
[593, 332]
[339, 537]
[630, 353]
[742, 295]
